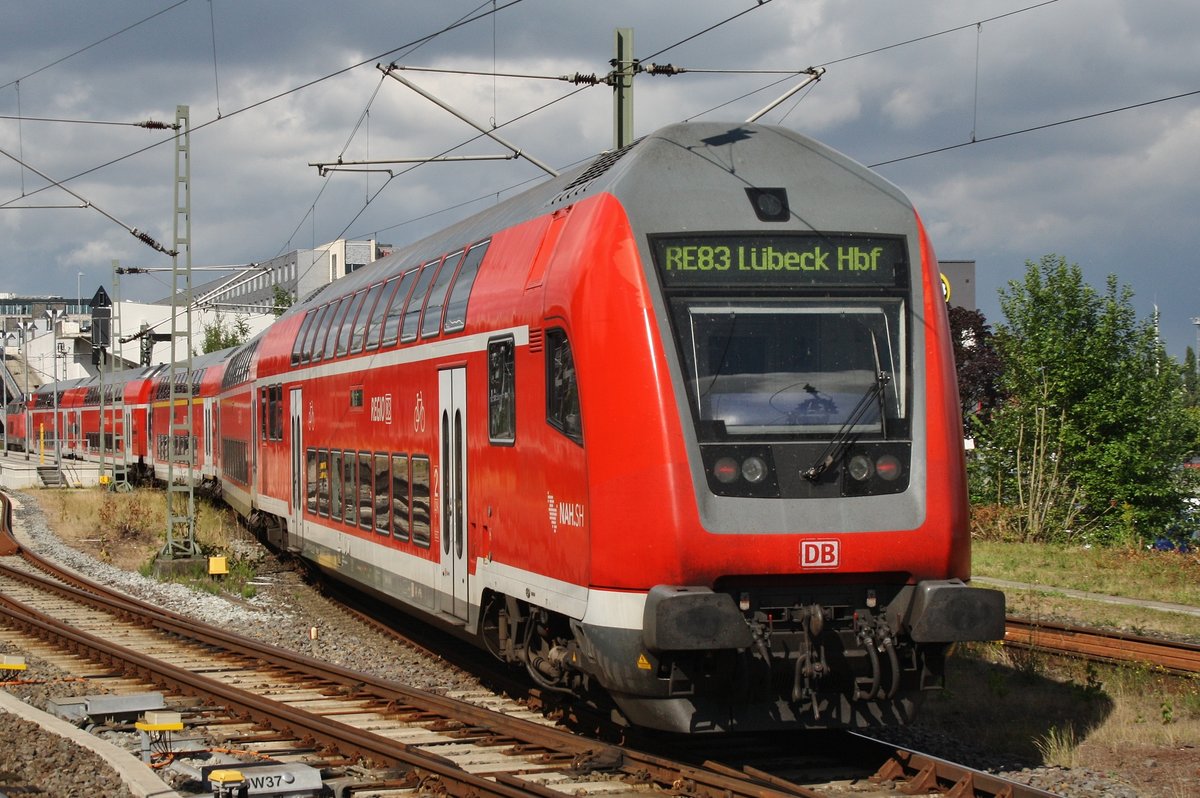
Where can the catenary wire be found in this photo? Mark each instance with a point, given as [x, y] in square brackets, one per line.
[93, 44]
[1036, 128]
[689, 38]
[280, 95]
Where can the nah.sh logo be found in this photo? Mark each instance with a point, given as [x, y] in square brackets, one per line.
[566, 513]
[820, 553]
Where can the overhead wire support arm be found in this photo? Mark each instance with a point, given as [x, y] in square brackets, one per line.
[814, 74]
[391, 72]
[325, 167]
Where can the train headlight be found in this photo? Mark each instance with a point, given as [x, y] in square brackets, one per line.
[754, 470]
[888, 467]
[726, 470]
[861, 468]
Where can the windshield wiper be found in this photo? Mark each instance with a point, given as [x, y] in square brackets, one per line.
[839, 441]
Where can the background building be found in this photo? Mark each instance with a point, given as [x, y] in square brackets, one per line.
[958, 277]
[37, 350]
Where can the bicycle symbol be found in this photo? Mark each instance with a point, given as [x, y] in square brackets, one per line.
[419, 413]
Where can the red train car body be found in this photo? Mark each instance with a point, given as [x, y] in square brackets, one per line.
[680, 427]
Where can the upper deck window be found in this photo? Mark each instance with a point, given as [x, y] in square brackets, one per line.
[360, 325]
[298, 345]
[412, 314]
[395, 314]
[339, 316]
[352, 315]
[431, 319]
[456, 307]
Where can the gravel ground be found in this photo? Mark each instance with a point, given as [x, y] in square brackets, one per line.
[283, 611]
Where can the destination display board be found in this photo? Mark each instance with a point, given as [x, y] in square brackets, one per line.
[784, 261]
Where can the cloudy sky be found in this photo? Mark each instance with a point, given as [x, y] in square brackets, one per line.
[1019, 128]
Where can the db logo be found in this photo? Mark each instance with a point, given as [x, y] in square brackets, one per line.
[820, 553]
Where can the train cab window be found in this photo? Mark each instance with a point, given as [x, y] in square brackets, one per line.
[431, 319]
[412, 313]
[420, 500]
[335, 486]
[323, 483]
[298, 345]
[349, 488]
[339, 317]
[456, 307]
[804, 367]
[401, 499]
[375, 325]
[311, 481]
[364, 317]
[356, 303]
[395, 314]
[562, 387]
[381, 493]
[502, 391]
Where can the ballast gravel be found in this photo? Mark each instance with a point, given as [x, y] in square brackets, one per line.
[284, 611]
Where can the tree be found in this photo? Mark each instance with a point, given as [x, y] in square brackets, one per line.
[217, 336]
[281, 299]
[1089, 442]
[978, 365]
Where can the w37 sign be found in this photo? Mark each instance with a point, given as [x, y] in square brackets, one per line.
[820, 553]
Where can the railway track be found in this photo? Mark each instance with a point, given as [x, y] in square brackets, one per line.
[1169, 655]
[249, 696]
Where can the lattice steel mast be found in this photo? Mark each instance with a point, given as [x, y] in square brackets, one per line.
[180, 440]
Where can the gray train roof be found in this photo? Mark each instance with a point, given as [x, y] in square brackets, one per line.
[662, 178]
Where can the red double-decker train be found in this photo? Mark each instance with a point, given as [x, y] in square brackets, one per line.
[680, 427]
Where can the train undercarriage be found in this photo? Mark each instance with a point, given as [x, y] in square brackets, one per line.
[745, 660]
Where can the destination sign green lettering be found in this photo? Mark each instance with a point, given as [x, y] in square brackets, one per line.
[825, 260]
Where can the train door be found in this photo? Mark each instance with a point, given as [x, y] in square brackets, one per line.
[452, 431]
[296, 514]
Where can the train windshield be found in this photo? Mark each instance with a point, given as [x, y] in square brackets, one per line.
[809, 367]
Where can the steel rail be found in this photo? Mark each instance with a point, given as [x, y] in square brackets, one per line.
[1171, 655]
[320, 730]
[345, 739]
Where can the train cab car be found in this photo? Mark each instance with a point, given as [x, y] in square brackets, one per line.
[680, 427]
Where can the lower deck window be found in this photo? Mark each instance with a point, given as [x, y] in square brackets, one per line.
[387, 493]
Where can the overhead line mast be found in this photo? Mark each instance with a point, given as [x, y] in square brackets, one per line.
[181, 434]
[624, 67]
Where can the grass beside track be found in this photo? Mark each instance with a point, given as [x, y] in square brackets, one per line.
[1166, 576]
[1129, 719]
